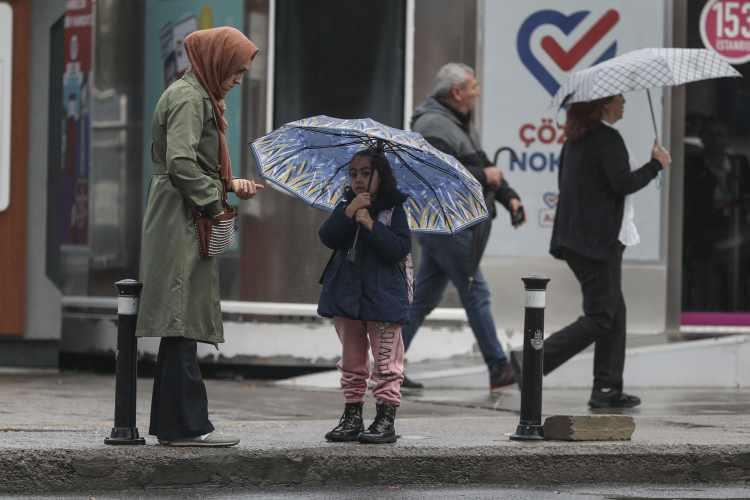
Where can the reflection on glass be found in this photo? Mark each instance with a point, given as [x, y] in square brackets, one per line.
[716, 238]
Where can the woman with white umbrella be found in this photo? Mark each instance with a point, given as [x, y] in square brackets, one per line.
[590, 233]
[593, 223]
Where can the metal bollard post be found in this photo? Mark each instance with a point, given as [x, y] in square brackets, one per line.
[530, 427]
[125, 430]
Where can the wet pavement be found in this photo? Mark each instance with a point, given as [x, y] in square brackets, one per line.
[52, 428]
[657, 402]
[82, 402]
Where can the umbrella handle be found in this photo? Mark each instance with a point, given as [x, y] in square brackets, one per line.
[351, 254]
[502, 149]
[653, 117]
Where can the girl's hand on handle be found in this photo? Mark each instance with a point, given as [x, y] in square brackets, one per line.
[363, 217]
[362, 200]
[661, 155]
[246, 188]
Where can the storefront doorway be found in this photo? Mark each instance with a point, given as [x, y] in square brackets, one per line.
[716, 208]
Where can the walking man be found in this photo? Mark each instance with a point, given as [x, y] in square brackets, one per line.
[444, 119]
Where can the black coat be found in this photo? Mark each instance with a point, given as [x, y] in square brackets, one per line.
[593, 179]
[373, 287]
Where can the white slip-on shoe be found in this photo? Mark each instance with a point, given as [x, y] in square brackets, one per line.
[210, 440]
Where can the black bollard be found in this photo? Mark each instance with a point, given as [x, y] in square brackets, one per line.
[530, 427]
[125, 430]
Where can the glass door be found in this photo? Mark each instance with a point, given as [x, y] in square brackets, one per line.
[716, 231]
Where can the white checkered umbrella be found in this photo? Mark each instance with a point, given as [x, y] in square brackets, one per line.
[642, 69]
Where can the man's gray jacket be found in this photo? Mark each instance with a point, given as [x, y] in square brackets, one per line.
[453, 134]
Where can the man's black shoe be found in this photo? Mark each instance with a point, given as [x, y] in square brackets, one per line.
[516, 362]
[350, 425]
[383, 428]
[411, 384]
[608, 397]
[501, 375]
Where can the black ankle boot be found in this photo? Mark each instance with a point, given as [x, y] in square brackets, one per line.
[350, 424]
[382, 430]
[612, 397]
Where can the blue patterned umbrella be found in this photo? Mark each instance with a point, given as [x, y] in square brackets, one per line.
[309, 159]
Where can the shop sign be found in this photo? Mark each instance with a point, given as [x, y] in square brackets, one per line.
[725, 28]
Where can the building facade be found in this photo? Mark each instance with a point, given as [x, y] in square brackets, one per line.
[86, 75]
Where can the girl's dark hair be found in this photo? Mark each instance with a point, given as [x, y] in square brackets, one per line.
[582, 116]
[388, 187]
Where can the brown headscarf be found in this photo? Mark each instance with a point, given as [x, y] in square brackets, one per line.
[215, 55]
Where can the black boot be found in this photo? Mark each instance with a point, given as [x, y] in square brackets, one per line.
[612, 397]
[350, 425]
[382, 430]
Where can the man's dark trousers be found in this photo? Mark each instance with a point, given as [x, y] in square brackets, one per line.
[603, 321]
[445, 258]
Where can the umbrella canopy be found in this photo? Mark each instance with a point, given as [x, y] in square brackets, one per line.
[308, 159]
[642, 69]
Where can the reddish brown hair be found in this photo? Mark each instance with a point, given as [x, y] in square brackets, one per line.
[582, 116]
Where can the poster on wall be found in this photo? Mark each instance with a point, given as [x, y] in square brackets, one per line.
[168, 22]
[75, 144]
[530, 48]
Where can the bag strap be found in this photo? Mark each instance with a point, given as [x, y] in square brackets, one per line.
[325, 269]
[224, 194]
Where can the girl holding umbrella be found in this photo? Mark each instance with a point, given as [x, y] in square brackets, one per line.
[366, 292]
[381, 184]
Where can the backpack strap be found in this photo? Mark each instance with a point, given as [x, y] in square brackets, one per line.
[406, 266]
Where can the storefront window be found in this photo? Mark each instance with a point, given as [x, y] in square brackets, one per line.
[349, 63]
[716, 236]
[116, 145]
[95, 121]
[444, 31]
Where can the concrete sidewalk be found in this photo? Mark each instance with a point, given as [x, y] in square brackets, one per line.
[52, 429]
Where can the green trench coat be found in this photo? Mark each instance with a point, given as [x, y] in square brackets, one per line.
[180, 296]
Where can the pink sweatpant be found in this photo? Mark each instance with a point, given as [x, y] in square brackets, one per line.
[388, 355]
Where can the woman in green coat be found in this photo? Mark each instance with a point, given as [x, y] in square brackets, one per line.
[191, 169]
